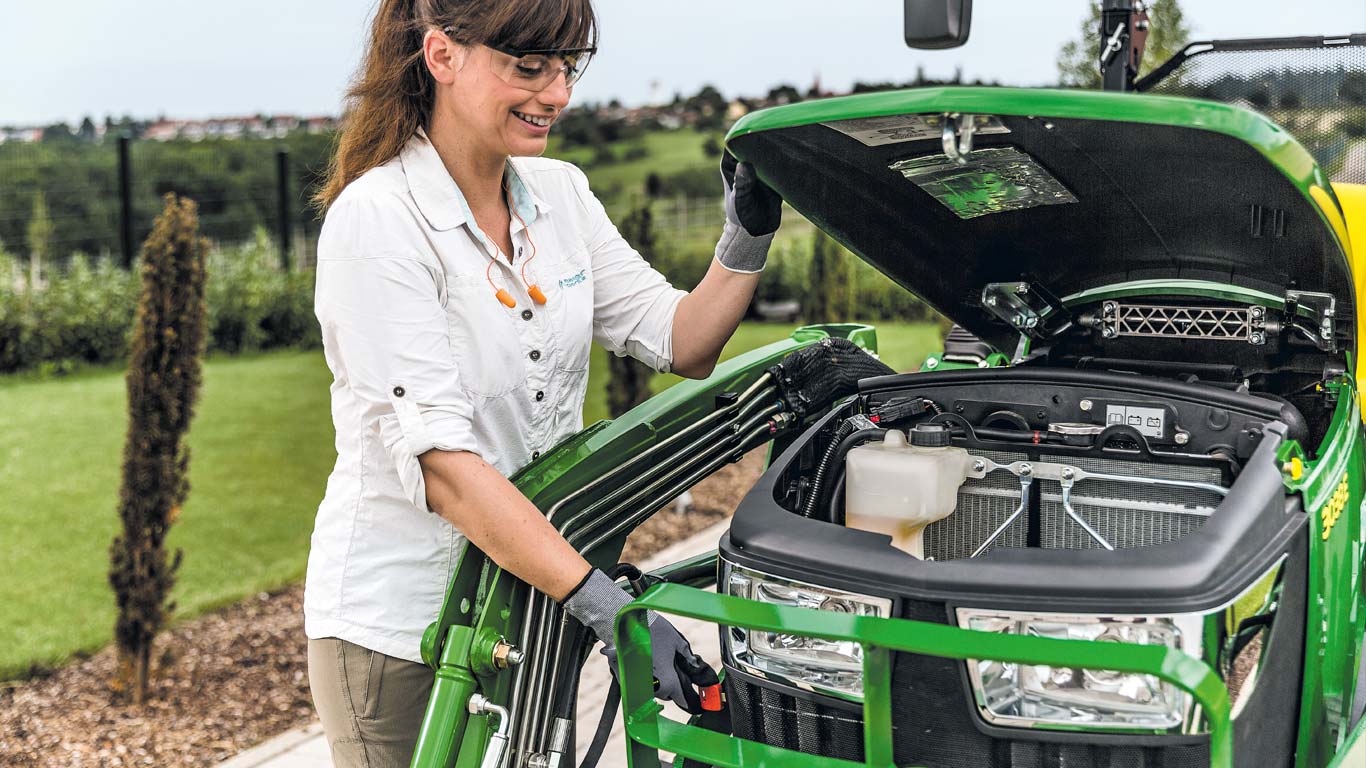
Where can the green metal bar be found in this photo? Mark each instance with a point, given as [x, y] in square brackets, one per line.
[880, 636]
[446, 713]
[877, 706]
[1353, 752]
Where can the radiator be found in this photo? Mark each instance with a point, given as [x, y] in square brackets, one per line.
[1125, 514]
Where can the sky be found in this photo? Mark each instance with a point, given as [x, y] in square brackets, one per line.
[149, 58]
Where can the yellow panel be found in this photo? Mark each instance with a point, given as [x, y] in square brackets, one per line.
[1352, 198]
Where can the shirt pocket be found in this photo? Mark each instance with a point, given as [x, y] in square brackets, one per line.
[484, 344]
[568, 286]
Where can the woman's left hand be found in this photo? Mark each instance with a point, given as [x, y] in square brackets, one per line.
[750, 203]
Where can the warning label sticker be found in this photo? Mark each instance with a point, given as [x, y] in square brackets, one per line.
[893, 129]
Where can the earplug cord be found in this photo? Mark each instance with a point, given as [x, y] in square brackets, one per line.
[532, 290]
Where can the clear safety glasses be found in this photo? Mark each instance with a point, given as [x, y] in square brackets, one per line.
[533, 70]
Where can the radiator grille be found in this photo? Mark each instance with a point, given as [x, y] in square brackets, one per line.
[982, 506]
[1125, 514]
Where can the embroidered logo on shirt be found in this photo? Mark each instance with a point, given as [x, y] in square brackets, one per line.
[572, 280]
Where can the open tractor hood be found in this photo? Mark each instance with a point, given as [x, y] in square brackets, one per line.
[1016, 211]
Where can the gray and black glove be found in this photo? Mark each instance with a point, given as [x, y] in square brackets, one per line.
[596, 602]
[753, 213]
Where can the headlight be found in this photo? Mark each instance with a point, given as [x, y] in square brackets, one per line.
[1026, 694]
[829, 666]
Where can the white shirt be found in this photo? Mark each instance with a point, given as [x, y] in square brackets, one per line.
[423, 356]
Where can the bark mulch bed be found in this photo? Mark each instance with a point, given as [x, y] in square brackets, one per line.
[232, 679]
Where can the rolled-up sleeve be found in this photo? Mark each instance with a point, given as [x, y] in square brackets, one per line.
[386, 336]
[633, 304]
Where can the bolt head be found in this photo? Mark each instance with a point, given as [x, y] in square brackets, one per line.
[1258, 311]
[932, 362]
[1108, 333]
[1067, 473]
[1182, 438]
[1086, 405]
[1026, 470]
[979, 466]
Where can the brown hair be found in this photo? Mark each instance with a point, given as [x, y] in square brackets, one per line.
[392, 93]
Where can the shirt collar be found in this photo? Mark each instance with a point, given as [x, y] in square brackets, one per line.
[440, 199]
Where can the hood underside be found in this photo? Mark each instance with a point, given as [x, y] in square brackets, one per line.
[1066, 190]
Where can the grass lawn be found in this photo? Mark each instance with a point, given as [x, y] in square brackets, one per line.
[261, 451]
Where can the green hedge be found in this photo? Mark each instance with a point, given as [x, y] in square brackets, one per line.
[865, 295]
[84, 315]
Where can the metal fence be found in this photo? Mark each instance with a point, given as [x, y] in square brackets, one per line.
[101, 199]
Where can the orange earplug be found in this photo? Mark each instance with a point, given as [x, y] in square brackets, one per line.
[505, 298]
[535, 292]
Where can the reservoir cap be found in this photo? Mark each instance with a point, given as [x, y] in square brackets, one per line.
[930, 436]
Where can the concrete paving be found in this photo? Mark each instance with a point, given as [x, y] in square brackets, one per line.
[307, 747]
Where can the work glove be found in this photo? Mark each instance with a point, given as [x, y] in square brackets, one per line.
[596, 602]
[753, 213]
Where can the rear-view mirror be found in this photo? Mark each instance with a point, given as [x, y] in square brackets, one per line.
[936, 24]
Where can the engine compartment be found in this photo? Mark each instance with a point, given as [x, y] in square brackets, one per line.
[1106, 489]
[1080, 460]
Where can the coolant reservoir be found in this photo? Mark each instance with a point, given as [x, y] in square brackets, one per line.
[898, 488]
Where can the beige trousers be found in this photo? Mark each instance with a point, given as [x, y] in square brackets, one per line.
[371, 705]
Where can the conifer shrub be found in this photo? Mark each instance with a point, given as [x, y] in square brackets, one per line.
[163, 384]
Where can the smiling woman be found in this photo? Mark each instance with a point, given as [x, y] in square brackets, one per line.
[461, 281]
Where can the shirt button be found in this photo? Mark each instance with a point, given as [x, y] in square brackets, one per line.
[540, 396]
[535, 455]
[526, 314]
[398, 391]
[535, 354]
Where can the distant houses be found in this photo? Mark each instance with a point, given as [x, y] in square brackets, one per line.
[164, 129]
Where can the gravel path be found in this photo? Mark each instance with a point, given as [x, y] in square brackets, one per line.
[235, 678]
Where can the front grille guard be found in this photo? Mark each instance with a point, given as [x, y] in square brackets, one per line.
[648, 732]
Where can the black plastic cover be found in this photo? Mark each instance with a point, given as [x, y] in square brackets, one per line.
[1152, 202]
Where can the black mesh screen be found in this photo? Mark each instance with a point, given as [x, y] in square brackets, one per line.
[1318, 94]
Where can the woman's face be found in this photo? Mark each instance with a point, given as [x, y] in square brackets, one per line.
[500, 117]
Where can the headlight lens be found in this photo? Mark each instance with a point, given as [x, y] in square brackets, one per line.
[1026, 694]
[829, 666]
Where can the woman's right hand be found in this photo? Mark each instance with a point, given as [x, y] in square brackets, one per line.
[596, 602]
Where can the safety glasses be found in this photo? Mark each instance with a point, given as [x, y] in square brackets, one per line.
[534, 69]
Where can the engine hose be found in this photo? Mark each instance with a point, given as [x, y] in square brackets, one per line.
[818, 480]
[580, 643]
[842, 449]
[593, 754]
[834, 511]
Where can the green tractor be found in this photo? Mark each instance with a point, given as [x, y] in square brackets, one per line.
[1116, 522]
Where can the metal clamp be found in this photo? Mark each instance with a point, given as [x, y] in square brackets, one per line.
[957, 136]
[1323, 308]
[1028, 307]
[1112, 45]
[1025, 481]
[1066, 476]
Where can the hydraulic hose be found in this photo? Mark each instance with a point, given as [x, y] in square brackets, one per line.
[818, 480]
[580, 643]
[842, 449]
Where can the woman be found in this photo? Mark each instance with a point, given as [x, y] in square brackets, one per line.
[460, 282]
